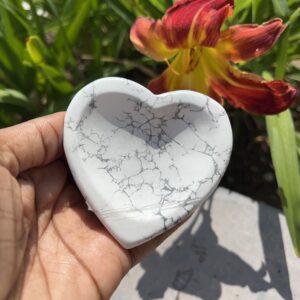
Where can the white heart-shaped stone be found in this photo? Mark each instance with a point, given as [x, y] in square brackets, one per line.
[144, 162]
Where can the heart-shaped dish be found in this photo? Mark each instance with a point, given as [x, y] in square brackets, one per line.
[144, 162]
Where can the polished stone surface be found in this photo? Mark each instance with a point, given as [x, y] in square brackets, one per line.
[232, 248]
[144, 162]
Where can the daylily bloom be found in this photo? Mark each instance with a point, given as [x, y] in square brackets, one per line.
[202, 57]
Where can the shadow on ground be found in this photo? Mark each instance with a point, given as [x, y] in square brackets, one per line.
[197, 264]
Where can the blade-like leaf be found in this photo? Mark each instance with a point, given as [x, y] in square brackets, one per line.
[15, 98]
[57, 79]
[281, 133]
[281, 8]
[76, 25]
[294, 16]
[295, 76]
[69, 31]
[120, 10]
[298, 143]
[283, 145]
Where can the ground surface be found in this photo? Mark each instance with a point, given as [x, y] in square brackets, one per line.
[232, 248]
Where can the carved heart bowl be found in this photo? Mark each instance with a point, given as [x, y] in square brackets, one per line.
[144, 162]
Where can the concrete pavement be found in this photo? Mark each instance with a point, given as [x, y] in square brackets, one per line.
[232, 248]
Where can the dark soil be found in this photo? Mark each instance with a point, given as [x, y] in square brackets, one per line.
[250, 171]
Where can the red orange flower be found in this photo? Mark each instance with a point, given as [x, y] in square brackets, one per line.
[202, 56]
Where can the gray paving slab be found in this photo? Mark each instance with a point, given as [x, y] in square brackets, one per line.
[232, 248]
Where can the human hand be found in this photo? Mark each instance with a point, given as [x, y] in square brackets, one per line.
[51, 246]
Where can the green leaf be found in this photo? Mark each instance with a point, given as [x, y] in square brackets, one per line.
[256, 10]
[36, 49]
[162, 6]
[120, 10]
[298, 143]
[282, 54]
[15, 98]
[281, 133]
[294, 16]
[295, 76]
[267, 75]
[70, 23]
[36, 19]
[10, 25]
[281, 8]
[17, 13]
[11, 66]
[283, 145]
[241, 5]
[75, 26]
[57, 79]
[148, 9]
[12, 36]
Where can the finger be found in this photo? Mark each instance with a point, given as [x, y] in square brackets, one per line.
[13, 233]
[31, 144]
[49, 182]
[28, 195]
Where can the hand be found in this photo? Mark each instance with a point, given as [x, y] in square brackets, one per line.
[51, 246]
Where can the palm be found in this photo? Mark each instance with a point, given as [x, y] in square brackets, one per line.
[67, 244]
[58, 248]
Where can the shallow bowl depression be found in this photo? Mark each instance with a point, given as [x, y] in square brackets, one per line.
[144, 162]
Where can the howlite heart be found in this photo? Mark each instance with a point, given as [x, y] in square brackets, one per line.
[144, 162]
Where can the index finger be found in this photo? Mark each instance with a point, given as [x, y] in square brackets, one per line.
[31, 144]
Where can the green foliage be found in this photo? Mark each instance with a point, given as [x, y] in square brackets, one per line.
[51, 48]
[286, 163]
[284, 141]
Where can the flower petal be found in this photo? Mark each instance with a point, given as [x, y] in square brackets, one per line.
[179, 76]
[253, 94]
[189, 23]
[244, 42]
[214, 76]
[145, 37]
[244, 90]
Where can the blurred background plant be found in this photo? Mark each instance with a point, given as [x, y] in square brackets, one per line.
[51, 48]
